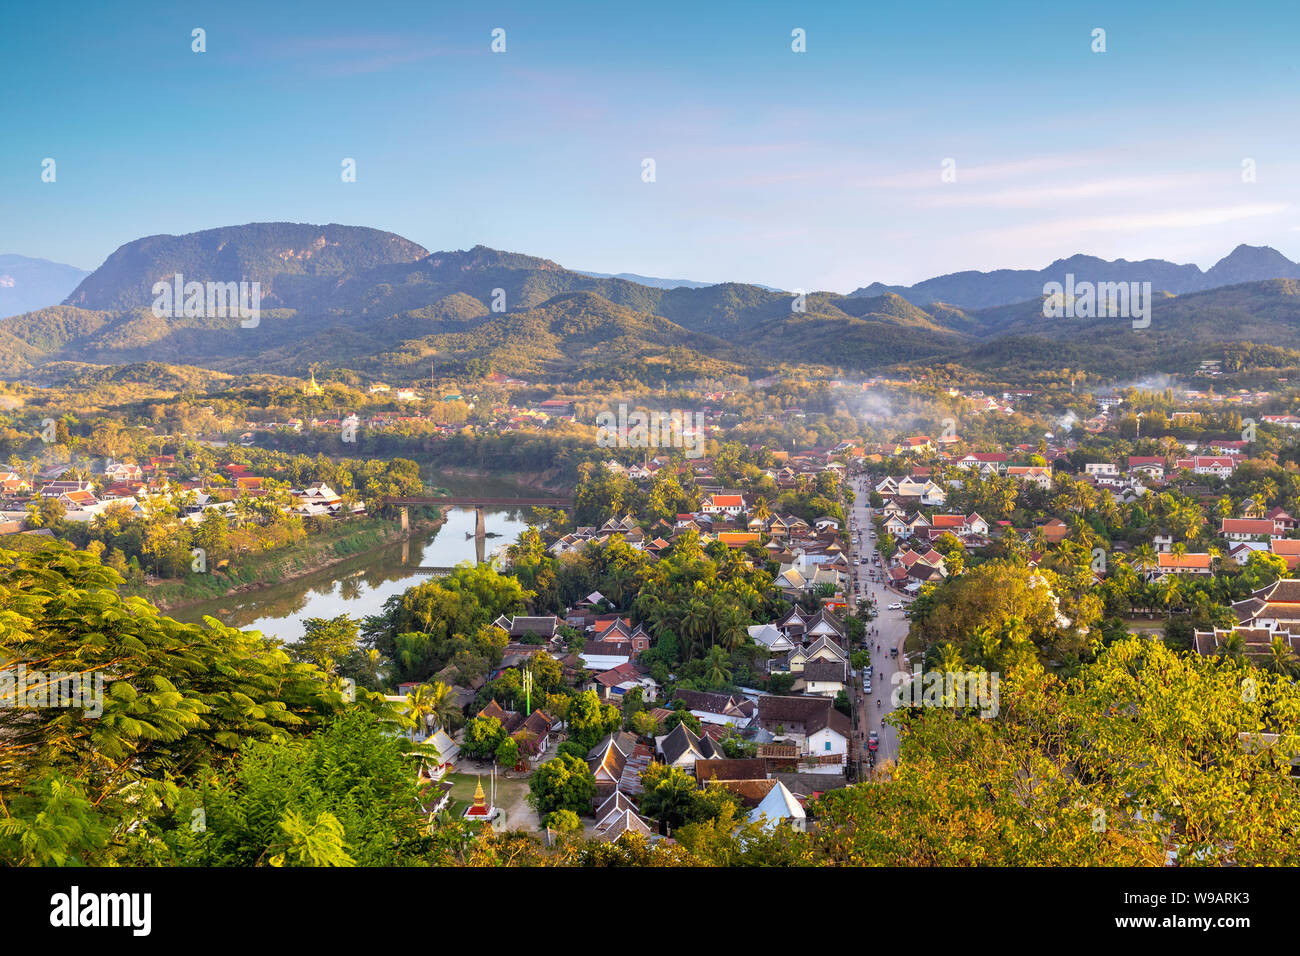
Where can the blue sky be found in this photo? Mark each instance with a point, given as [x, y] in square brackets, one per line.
[819, 170]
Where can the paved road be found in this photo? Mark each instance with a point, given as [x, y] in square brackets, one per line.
[892, 627]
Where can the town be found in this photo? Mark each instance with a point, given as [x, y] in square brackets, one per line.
[730, 636]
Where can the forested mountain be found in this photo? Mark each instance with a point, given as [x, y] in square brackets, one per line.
[372, 301]
[288, 259]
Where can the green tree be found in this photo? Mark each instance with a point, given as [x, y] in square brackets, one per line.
[174, 702]
[669, 795]
[482, 737]
[564, 821]
[507, 752]
[326, 642]
[563, 783]
[353, 780]
[590, 720]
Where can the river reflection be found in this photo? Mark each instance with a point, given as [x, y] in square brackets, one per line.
[360, 585]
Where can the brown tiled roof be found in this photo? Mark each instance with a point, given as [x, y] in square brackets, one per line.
[793, 709]
[1284, 590]
[834, 719]
[750, 792]
[493, 709]
[715, 703]
[538, 723]
[607, 648]
[823, 671]
[726, 769]
[606, 761]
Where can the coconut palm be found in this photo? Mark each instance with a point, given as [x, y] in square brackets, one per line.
[950, 658]
[1233, 647]
[419, 706]
[1281, 659]
[1144, 558]
[697, 622]
[372, 667]
[1169, 592]
[717, 668]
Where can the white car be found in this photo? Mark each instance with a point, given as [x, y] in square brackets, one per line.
[896, 606]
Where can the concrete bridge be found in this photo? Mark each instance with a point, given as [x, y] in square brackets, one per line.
[479, 503]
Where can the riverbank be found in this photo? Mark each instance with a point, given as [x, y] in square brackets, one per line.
[349, 539]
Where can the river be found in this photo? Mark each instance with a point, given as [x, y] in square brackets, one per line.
[360, 585]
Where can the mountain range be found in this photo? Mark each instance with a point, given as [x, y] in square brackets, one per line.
[981, 290]
[27, 284]
[347, 296]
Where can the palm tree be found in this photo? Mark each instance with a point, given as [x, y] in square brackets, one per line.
[732, 630]
[1281, 659]
[372, 664]
[1170, 590]
[695, 625]
[1215, 553]
[950, 659]
[717, 668]
[669, 798]
[419, 705]
[442, 706]
[1233, 647]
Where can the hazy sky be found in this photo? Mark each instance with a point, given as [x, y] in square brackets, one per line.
[816, 170]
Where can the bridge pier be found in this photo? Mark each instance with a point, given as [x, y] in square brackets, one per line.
[406, 520]
[480, 534]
